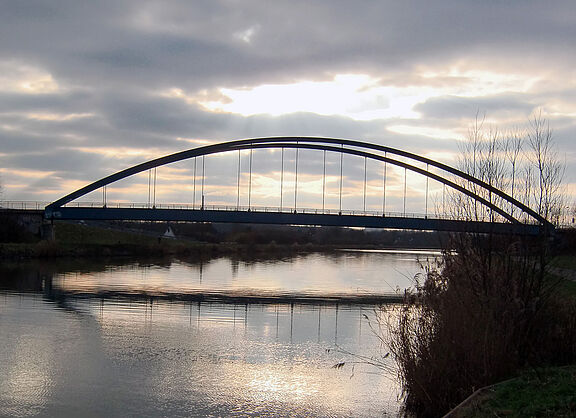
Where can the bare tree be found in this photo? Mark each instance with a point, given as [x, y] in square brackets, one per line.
[523, 162]
[513, 147]
[483, 157]
[548, 169]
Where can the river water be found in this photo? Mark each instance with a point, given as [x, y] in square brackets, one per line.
[196, 338]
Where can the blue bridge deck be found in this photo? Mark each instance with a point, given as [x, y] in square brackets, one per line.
[290, 218]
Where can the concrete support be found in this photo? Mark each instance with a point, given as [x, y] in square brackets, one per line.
[47, 231]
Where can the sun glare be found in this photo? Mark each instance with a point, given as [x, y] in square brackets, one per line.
[356, 96]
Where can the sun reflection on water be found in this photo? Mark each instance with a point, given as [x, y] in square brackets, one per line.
[271, 384]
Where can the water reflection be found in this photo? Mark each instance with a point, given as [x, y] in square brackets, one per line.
[119, 357]
[70, 347]
[337, 275]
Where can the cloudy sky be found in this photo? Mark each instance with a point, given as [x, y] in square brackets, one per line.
[91, 87]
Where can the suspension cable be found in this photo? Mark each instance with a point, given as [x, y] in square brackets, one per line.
[405, 191]
[250, 181]
[194, 186]
[203, 178]
[282, 179]
[238, 183]
[444, 200]
[149, 186]
[154, 201]
[324, 182]
[296, 181]
[341, 172]
[426, 205]
[365, 162]
[384, 186]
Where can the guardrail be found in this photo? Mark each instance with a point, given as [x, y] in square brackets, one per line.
[269, 209]
[23, 204]
[38, 205]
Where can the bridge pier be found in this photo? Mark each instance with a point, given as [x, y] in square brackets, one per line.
[47, 230]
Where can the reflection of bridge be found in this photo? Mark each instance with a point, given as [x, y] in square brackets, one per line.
[502, 208]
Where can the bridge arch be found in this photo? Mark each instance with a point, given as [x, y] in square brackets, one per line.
[344, 146]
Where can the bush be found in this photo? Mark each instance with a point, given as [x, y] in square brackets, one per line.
[477, 318]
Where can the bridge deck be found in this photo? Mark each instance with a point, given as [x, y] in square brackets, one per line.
[289, 218]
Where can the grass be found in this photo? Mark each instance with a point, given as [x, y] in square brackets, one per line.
[567, 288]
[81, 240]
[568, 262]
[565, 261]
[547, 392]
[69, 233]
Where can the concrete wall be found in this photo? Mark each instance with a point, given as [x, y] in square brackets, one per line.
[31, 221]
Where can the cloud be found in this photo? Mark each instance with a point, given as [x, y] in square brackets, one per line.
[502, 106]
[80, 79]
[133, 43]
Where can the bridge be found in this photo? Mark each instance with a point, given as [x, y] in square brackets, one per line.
[320, 194]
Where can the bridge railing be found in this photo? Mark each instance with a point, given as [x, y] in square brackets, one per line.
[253, 208]
[23, 204]
[39, 205]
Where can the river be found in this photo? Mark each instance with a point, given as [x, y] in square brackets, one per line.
[197, 338]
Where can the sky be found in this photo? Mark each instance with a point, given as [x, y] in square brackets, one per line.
[88, 88]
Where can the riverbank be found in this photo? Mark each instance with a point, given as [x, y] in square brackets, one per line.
[538, 392]
[146, 247]
[82, 240]
[549, 392]
[483, 316]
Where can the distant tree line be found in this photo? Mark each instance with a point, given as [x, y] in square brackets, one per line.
[288, 235]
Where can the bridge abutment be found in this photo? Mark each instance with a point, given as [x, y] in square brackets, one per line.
[21, 224]
[47, 231]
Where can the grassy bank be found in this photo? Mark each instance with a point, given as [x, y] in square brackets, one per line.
[567, 261]
[539, 392]
[567, 288]
[549, 392]
[564, 267]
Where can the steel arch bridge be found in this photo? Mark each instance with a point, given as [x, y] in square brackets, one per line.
[501, 206]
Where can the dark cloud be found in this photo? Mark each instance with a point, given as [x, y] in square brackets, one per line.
[159, 44]
[457, 107]
[14, 142]
[70, 165]
[69, 102]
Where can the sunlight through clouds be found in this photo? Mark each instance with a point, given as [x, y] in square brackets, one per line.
[16, 77]
[360, 96]
[356, 96]
[58, 117]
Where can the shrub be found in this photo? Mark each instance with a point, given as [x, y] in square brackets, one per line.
[478, 317]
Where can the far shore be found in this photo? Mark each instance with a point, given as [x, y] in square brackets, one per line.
[110, 240]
